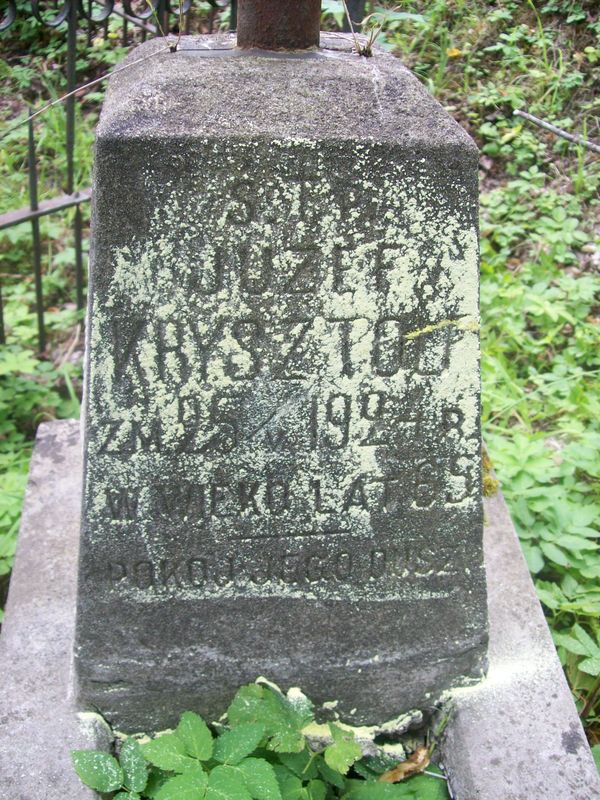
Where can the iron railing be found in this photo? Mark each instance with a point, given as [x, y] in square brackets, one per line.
[73, 17]
[149, 17]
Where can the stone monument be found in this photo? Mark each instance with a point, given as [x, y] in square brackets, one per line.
[282, 450]
[282, 447]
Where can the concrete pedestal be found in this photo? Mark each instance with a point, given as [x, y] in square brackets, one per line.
[282, 406]
[515, 736]
[38, 720]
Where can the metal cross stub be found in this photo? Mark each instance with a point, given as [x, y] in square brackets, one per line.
[278, 24]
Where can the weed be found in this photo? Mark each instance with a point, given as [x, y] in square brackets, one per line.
[263, 753]
[541, 353]
[539, 290]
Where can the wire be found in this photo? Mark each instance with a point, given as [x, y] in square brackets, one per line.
[64, 97]
[558, 131]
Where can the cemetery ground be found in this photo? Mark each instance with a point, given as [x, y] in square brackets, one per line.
[540, 275]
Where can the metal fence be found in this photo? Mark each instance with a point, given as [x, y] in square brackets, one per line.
[72, 17]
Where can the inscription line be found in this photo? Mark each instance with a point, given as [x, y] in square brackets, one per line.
[333, 532]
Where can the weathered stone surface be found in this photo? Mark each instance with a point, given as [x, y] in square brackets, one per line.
[38, 722]
[517, 735]
[522, 715]
[283, 452]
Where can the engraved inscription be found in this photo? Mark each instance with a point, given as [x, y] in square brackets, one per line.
[283, 386]
[281, 350]
[318, 564]
[420, 483]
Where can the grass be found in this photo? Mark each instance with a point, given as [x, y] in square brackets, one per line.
[539, 294]
[539, 284]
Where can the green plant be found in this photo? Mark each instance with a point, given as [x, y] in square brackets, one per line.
[579, 643]
[541, 368]
[539, 288]
[540, 311]
[32, 389]
[271, 749]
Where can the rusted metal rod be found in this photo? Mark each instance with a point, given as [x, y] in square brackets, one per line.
[278, 24]
[558, 131]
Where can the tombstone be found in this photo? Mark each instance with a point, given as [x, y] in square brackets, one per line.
[282, 440]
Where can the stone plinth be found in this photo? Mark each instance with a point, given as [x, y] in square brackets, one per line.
[282, 432]
[38, 720]
[522, 714]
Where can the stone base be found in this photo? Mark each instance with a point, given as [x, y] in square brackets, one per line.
[38, 722]
[515, 736]
[282, 438]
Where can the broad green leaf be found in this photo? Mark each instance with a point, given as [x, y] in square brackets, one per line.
[588, 605]
[366, 790]
[234, 745]
[287, 740]
[588, 569]
[189, 786]
[227, 783]
[570, 586]
[283, 718]
[168, 752]
[596, 754]
[590, 665]
[260, 779]
[582, 516]
[591, 647]
[303, 764]
[569, 643]
[424, 787]
[381, 762]
[293, 714]
[247, 705]
[344, 751]
[533, 556]
[577, 543]
[420, 787]
[300, 705]
[99, 771]
[16, 361]
[289, 784]
[156, 779]
[550, 594]
[330, 775]
[362, 769]
[555, 554]
[133, 763]
[196, 736]
[127, 796]
[317, 790]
